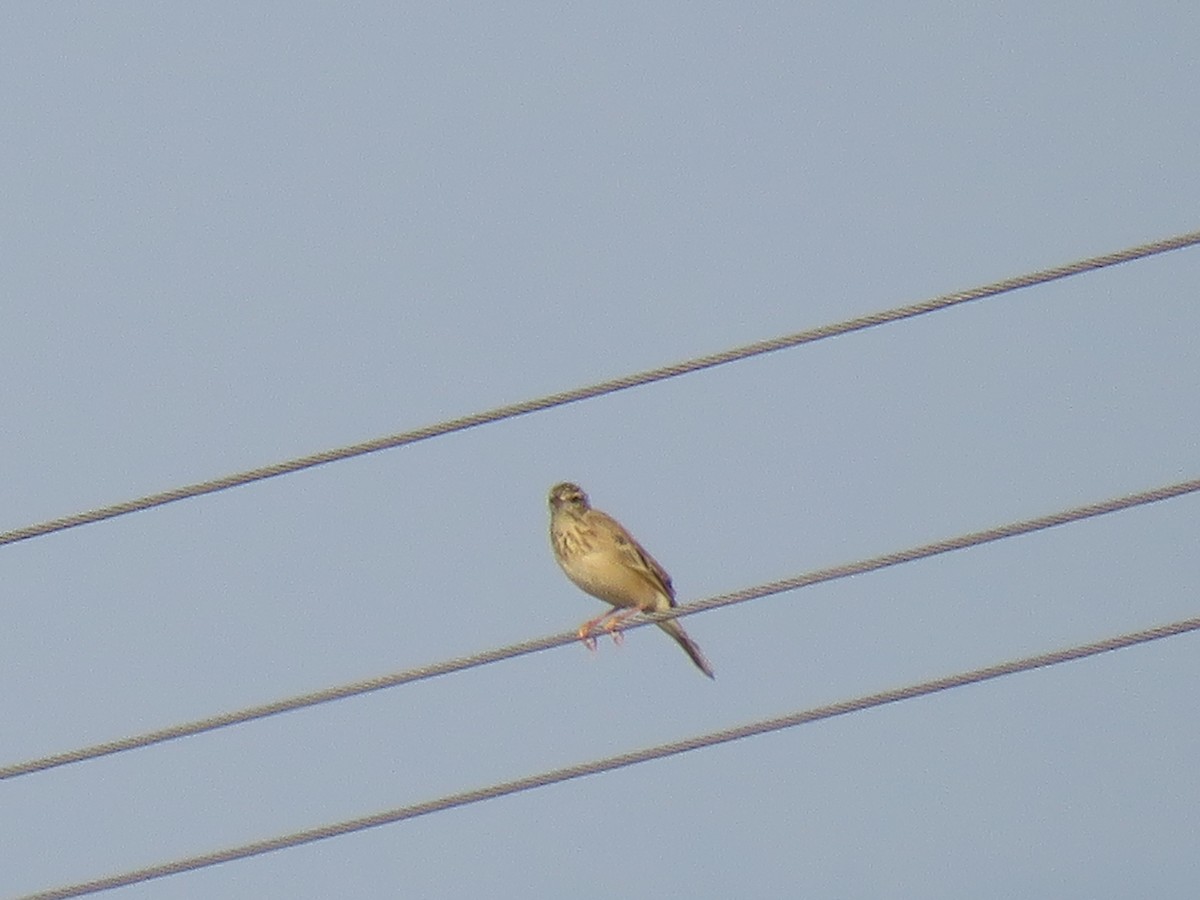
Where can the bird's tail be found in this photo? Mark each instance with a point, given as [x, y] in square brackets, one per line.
[675, 630]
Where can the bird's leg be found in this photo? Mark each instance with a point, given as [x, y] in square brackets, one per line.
[615, 619]
[585, 634]
[588, 629]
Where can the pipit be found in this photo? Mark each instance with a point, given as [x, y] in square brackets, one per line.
[603, 559]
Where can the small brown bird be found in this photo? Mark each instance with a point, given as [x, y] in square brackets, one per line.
[603, 559]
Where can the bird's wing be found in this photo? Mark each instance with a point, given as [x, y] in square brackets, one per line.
[639, 559]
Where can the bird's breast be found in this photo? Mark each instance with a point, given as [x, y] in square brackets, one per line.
[603, 577]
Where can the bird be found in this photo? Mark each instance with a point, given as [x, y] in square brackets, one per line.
[603, 559]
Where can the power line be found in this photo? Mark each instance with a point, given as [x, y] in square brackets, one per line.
[461, 663]
[604, 387]
[568, 773]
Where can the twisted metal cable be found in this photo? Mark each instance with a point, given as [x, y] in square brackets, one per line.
[604, 387]
[460, 663]
[608, 764]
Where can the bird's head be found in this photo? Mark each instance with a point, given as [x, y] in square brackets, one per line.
[568, 496]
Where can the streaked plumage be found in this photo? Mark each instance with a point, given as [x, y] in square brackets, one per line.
[603, 559]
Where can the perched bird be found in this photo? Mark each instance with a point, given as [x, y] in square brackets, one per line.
[603, 559]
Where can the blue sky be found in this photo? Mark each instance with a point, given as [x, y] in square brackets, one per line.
[235, 235]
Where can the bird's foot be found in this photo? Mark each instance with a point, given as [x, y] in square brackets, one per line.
[614, 622]
[586, 634]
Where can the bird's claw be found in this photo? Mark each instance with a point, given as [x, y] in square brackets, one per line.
[585, 635]
[610, 623]
[613, 628]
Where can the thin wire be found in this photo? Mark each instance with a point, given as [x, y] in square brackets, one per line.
[460, 663]
[568, 773]
[604, 387]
